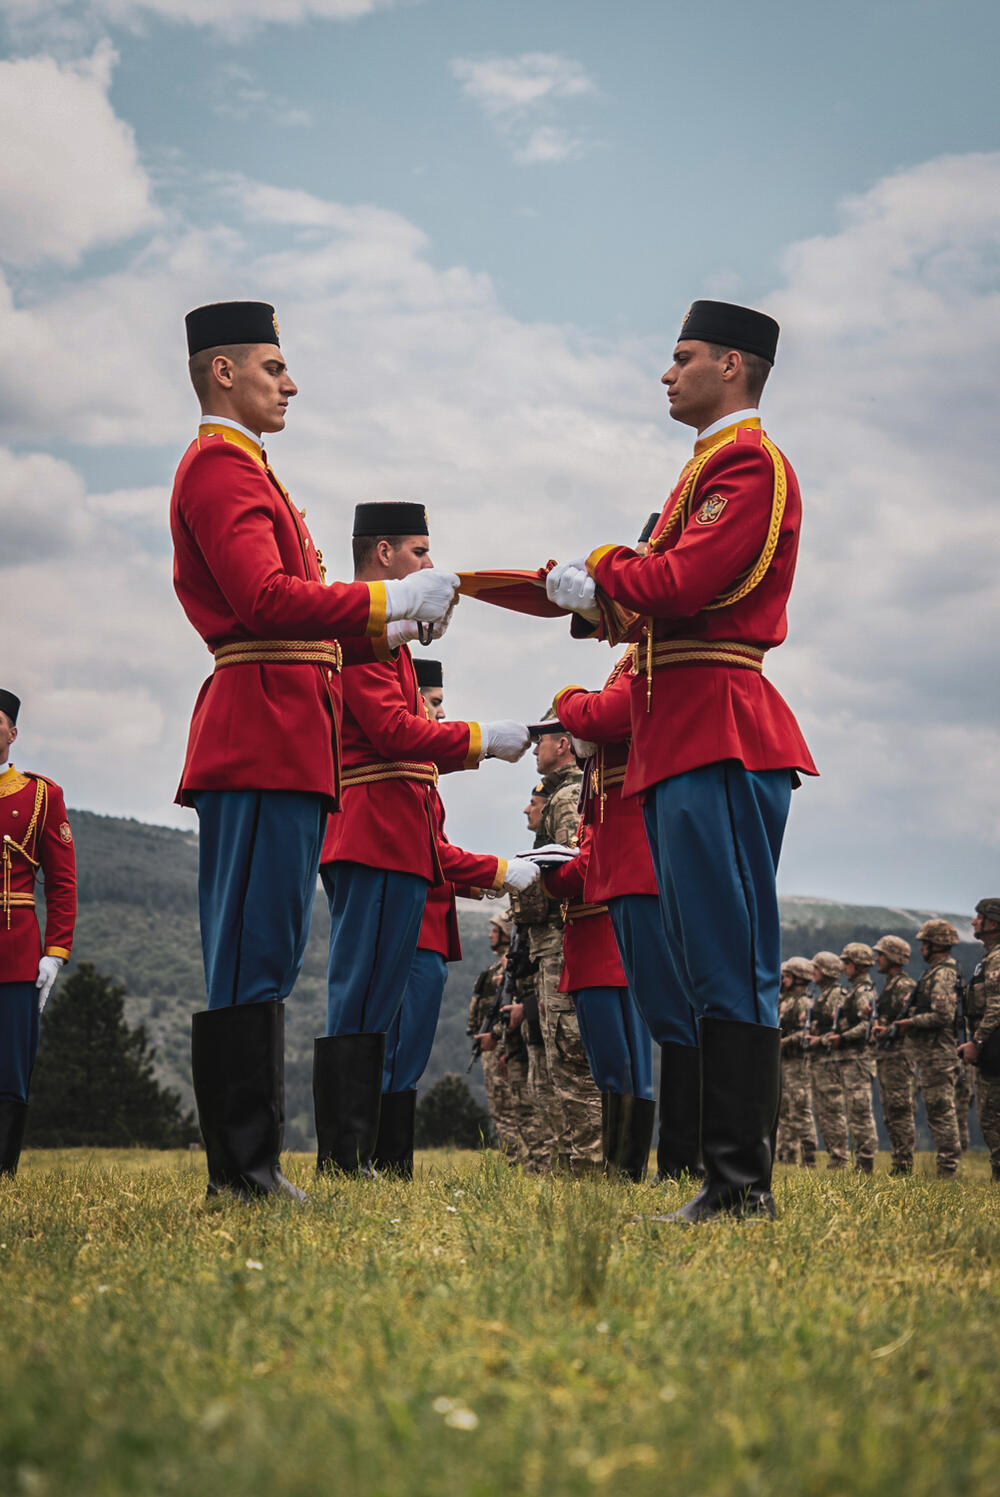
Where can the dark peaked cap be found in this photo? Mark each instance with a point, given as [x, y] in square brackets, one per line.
[428, 673]
[10, 704]
[226, 322]
[390, 517]
[731, 327]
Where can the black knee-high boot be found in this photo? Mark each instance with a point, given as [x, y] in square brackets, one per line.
[238, 1064]
[347, 1094]
[741, 1088]
[394, 1145]
[13, 1117]
[678, 1148]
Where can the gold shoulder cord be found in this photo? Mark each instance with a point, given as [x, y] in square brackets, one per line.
[38, 814]
[754, 575]
[599, 780]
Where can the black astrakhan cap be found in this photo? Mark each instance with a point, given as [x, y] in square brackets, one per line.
[10, 704]
[732, 327]
[390, 517]
[428, 672]
[227, 322]
[647, 529]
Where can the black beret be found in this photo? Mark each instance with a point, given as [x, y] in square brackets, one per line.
[428, 672]
[390, 517]
[647, 529]
[10, 704]
[225, 322]
[731, 327]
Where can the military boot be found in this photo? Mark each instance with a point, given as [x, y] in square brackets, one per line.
[678, 1146]
[347, 1094]
[238, 1067]
[741, 1082]
[394, 1144]
[13, 1117]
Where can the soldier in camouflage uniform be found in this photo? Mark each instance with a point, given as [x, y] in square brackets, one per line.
[850, 1044]
[564, 1052]
[481, 1004]
[796, 1129]
[824, 1069]
[892, 1062]
[929, 1031]
[983, 1009]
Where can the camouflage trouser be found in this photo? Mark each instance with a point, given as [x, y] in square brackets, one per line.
[499, 1102]
[568, 1065]
[829, 1108]
[521, 1111]
[547, 1136]
[857, 1068]
[936, 1065]
[796, 1129]
[896, 1093]
[963, 1101]
[988, 1108]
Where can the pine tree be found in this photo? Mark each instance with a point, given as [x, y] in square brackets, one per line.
[448, 1114]
[93, 1082]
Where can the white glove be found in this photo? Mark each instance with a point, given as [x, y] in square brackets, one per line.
[401, 632]
[48, 971]
[427, 596]
[505, 740]
[571, 586]
[583, 748]
[520, 875]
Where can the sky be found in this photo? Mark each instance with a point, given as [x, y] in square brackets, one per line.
[481, 226]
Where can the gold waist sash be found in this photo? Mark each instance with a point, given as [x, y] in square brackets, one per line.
[280, 652]
[652, 655]
[373, 774]
[572, 912]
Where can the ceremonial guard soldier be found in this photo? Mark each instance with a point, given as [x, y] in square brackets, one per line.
[893, 1063]
[929, 1036]
[36, 837]
[262, 767]
[715, 750]
[983, 1008]
[383, 851]
[796, 1129]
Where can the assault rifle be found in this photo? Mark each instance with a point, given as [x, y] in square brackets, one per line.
[518, 966]
[807, 1019]
[961, 1025]
[893, 1031]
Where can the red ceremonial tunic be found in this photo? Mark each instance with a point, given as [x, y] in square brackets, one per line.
[467, 871]
[36, 836]
[590, 952]
[618, 859]
[392, 754]
[247, 574]
[711, 592]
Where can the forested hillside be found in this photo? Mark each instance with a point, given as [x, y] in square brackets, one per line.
[139, 924]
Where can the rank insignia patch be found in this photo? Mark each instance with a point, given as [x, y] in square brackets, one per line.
[65, 833]
[710, 509]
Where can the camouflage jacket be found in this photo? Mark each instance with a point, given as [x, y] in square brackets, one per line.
[984, 992]
[793, 1008]
[828, 995]
[484, 996]
[558, 824]
[855, 1008]
[932, 1011]
[892, 999]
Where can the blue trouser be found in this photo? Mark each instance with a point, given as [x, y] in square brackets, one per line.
[652, 977]
[410, 1036]
[375, 916]
[619, 1049]
[715, 836]
[258, 856]
[18, 1038]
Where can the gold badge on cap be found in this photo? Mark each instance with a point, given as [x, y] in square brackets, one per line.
[710, 509]
[274, 320]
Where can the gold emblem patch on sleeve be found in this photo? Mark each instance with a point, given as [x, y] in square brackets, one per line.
[65, 833]
[710, 509]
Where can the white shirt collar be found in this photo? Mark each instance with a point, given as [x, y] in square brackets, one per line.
[729, 420]
[225, 421]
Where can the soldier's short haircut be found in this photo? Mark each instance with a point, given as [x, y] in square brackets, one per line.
[200, 366]
[755, 368]
[363, 548]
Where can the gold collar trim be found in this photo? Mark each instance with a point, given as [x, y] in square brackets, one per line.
[719, 438]
[230, 434]
[12, 782]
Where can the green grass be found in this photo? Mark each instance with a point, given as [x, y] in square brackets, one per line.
[481, 1333]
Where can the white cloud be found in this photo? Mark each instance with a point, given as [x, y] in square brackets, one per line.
[516, 93]
[70, 20]
[70, 177]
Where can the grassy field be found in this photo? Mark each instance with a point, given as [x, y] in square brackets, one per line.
[479, 1333]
